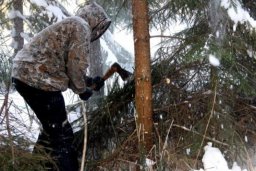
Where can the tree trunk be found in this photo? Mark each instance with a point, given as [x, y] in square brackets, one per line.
[18, 26]
[95, 69]
[95, 59]
[143, 86]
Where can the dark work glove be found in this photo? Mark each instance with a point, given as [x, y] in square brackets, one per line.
[88, 81]
[86, 95]
[97, 82]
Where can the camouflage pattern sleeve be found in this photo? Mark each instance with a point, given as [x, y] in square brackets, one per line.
[77, 59]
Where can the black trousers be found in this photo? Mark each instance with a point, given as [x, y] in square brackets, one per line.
[57, 135]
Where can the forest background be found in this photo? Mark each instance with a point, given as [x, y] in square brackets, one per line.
[203, 77]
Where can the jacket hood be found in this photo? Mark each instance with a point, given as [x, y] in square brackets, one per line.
[97, 18]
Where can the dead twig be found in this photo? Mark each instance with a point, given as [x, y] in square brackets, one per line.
[85, 135]
[197, 133]
[6, 96]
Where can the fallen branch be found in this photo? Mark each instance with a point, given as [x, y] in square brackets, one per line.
[197, 133]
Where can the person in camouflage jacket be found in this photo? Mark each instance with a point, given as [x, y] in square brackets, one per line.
[53, 61]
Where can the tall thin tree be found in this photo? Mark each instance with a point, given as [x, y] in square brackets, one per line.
[143, 86]
[18, 24]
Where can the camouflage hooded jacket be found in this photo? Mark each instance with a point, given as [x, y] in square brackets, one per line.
[57, 57]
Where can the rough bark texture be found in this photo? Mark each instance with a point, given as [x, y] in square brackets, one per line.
[143, 87]
[18, 25]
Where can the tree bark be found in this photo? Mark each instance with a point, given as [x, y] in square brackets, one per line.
[95, 59]
[95, 69]
[143, 86]
[18, 25]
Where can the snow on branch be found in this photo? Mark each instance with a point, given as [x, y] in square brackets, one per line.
[15, 13]
[53, 8]
[237, 13]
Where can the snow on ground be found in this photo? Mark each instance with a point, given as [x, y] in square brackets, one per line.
[213, 160]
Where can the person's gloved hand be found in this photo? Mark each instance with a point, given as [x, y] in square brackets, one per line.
[86, 95]
[98, 83]
[88, 81]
